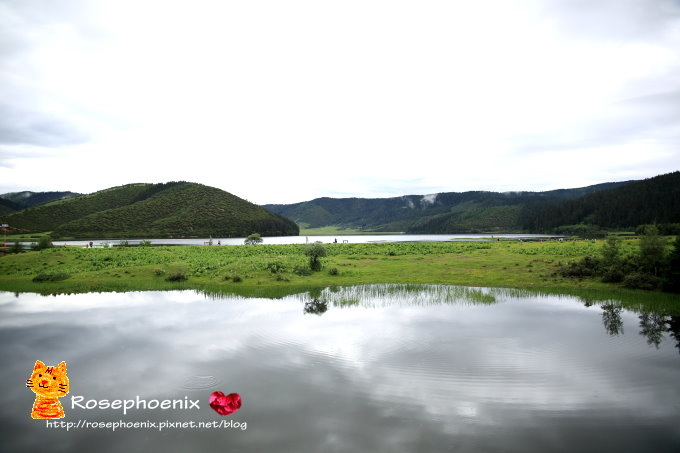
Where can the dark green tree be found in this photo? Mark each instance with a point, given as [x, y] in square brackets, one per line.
[315, 252]
[611, 251]
[652, 250]
[253, 239]
[611, 260]
[671, 278]
[45, 242]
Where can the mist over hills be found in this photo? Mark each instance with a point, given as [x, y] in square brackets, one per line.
[612, 204]
[174, 209]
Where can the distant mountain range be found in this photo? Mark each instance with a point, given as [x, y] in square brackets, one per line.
[614, 204]
[181, 209]
[174, 209]
[26, 199]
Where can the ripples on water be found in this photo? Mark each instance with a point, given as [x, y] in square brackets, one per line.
[365, 368]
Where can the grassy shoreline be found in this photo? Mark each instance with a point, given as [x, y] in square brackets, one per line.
[271, 269]
[500, 264]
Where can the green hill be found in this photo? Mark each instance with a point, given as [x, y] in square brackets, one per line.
[7, 207]
[450, 212]
[653, 200]
[174, 209]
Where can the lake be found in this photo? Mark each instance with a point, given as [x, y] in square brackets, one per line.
[350, 239]
[374, 368]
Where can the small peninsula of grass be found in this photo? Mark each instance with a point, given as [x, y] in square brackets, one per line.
[510, 264]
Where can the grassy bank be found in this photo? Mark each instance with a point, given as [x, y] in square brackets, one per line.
[500, 264]
[276, 270]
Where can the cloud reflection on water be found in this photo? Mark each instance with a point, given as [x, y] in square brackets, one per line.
[384, 368]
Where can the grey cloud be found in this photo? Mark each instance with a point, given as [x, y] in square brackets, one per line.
[10, 153]
[615, 19]
[25, 25]
[655, 110]
[21, 126]
[654, 116]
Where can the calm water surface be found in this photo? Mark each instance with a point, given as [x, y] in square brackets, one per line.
[378, 368]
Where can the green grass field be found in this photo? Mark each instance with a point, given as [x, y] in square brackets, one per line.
[274, 270]
[23, 237]
[501, 264]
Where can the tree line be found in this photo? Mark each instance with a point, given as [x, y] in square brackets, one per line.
[653, 266]
[650, 201]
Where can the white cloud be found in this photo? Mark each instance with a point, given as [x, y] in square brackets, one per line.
[287, 101]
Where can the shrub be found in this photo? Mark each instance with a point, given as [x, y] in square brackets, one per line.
[40, 278]
[145, 243]
[176, 277]
[253, 239]
[587, 267]
[45, 242]
[236, 279]
[612, 276]
[275, 267]
[641, 280]
[333, 271]
[302, 271]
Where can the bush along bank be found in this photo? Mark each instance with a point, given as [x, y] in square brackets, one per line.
[654, 265]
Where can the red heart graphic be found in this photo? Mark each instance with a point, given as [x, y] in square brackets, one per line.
[225, 404]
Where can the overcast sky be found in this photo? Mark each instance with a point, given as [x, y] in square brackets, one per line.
[287, 100]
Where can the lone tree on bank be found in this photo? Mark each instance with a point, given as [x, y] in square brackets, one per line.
[314, 252]
[253, 239]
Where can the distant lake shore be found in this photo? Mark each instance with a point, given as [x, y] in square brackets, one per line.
[325, 239]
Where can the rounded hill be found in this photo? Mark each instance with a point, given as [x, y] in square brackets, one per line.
[174, 209]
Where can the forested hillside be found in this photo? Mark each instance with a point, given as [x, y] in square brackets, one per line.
[653, 200]
[451, 212]
[175, 209]
[7, 206]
